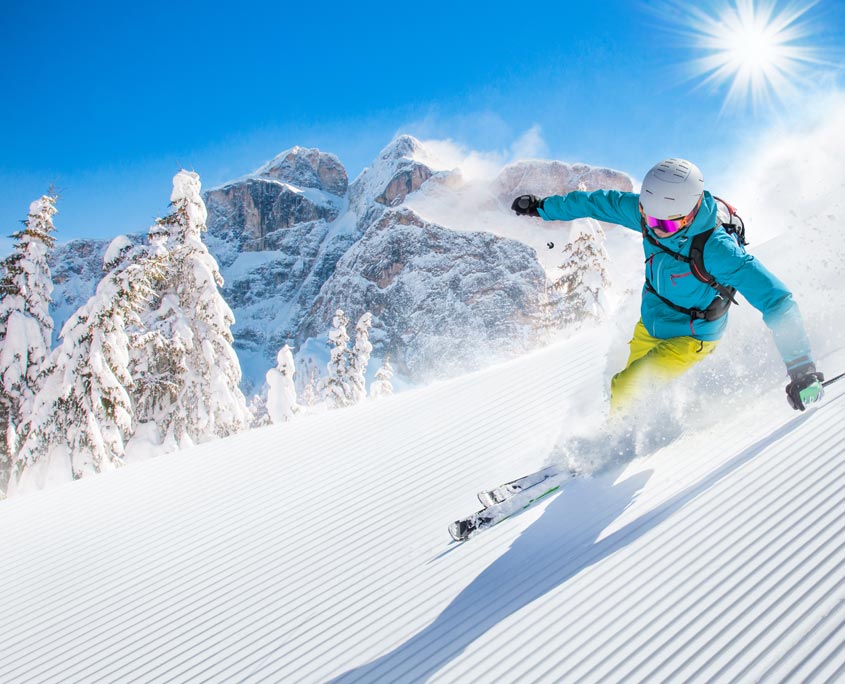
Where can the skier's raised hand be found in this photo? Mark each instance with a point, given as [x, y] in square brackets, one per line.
[527, 205]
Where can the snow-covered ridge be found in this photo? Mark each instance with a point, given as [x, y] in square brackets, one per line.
[313, 195]
[306, 167]
[400, 169]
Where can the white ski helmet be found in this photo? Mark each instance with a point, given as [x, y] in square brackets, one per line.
[671, 189]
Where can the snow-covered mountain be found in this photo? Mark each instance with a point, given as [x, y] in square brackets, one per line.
[317, 551]
[454, 280]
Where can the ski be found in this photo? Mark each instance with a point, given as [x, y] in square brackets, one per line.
[463, 529]
[491, 497]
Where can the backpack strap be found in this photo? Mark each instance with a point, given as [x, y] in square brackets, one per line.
[696, 263]
[725, 297]
[716, 309]
[735, 225]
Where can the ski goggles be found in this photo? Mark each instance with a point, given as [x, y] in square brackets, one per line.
[671, 225]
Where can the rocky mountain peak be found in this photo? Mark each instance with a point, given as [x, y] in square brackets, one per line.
[307, 168]
[402, 146]
[545, 178]
[400, 169]
[299, 186]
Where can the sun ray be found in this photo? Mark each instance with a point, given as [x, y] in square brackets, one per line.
[757, 52]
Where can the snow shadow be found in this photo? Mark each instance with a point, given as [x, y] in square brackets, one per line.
[560, 544]
[553, 549]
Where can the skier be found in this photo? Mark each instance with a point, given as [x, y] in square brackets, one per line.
[695, 263]
[684, 313]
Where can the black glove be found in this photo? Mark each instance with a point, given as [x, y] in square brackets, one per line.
[805, 388]
[527, 205]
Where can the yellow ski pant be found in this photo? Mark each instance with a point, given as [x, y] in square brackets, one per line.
[654, 362]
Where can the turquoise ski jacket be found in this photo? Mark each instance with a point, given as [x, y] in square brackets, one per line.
[724, 258]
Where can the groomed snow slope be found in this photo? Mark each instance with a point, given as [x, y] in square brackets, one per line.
[318, 550]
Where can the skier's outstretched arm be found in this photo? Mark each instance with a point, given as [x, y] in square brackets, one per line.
[611, 206]
[732, 266]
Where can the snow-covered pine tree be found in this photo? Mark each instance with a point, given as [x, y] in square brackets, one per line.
[188, 370]
[336, 387]
[26, 327]
[584, 276]
[383, 387]
[154, 358]
[310, 384]
[360, 357]
[258, 411]
[82, 414]
[281, 392]
[158, 357]
[548, 318]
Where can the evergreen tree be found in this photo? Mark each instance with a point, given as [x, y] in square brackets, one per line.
[188, 370]
[360, 357]
[258, 410]
[382, 387]
[281, 392]
[155, 358]
[310, 384]
[549, 317]
[584, 274]
[26, 327]
[346, 381]
[336, 387]
[82, 413]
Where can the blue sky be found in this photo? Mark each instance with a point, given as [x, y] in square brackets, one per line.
[108, 101]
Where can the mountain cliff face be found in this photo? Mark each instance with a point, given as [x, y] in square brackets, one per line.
[443, 301]
[296, 240]
[298, 187]
[306, 168]
[545, 178]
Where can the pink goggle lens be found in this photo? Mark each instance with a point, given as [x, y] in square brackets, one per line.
[666, 225]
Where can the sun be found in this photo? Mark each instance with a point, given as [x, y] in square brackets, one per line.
[760, 53]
